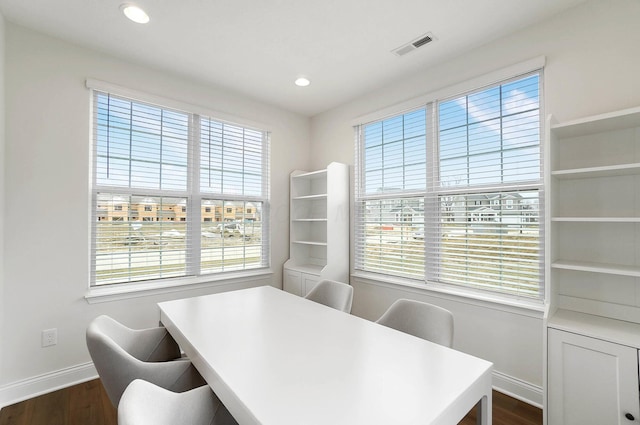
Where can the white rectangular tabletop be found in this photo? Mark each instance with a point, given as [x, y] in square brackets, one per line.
[277, 359]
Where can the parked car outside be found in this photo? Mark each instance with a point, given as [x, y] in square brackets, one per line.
[229, 229]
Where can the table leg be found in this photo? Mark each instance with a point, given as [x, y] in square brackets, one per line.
[484, 411]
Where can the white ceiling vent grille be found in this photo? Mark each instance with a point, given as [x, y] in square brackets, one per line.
[415, 44]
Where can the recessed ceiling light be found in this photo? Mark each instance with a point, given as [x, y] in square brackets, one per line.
[134, 13]
[302, 82]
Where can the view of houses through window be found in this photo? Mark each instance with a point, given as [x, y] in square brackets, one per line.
[150, 220]
[458, 204]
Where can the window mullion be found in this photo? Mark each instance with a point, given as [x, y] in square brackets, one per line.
[130, 141]
[194, 210]
[266, 196]
[502, 148]
[432, 210]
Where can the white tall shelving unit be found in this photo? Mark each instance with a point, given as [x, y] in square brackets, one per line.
[319, 228]
[592, 323]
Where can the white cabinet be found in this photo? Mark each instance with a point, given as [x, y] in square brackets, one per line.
[319, 228]
[299, 283]
[291, 281]
[308, 281]
[591, 381]
[593, 268]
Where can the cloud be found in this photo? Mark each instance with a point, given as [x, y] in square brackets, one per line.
[518, 102]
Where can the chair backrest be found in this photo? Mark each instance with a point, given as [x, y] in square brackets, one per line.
[334, 294]
[144, 403]
[121, 355]
[147, 345]
[420, 319]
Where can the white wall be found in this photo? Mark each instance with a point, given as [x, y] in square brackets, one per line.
[2, 168]
[47, 198]
[593, 64]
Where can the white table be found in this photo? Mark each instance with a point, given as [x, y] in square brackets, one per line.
[277, 359]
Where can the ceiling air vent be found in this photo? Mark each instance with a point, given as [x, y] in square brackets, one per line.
[413, 45]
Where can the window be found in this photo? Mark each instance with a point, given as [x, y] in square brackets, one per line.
[149, 192]
[451, 193]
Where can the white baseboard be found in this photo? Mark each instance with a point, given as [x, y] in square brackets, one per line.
[48, 382]
[516, 388]
[28, 388]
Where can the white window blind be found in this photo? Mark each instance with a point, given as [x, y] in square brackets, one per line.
[390, 195]
[234, 187]
[475, 220]
[155, 213]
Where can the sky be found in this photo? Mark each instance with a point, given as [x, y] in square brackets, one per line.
[488, 137]
[145, 146]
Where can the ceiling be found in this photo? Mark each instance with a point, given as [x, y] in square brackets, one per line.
[259, 47]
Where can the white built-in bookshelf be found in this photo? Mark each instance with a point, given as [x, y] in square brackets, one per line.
[593, 269]
[319, 228]
[594, 189]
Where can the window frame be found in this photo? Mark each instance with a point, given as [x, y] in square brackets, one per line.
[193, 193]
[432, 101]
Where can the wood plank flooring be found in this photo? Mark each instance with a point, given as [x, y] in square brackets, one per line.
[507, 411]
[88, 404]
[82, 404]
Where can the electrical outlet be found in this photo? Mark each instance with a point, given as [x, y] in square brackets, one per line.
[49, 337]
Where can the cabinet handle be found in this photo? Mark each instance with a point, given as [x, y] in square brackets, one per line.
[629, 416]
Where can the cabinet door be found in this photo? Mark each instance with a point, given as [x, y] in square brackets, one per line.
[291, 282]
[591, 381]
[308, 282]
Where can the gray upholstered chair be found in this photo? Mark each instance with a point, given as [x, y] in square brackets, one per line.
[144, 403]
[334, 294]
[420, 319]
[121, 354]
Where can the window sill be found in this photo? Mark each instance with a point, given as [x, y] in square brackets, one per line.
[524, 307]
[125, 291]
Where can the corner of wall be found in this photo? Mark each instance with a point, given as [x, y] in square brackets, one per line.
[2, 145]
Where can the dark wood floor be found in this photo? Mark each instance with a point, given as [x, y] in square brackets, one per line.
[506, 411]
[87, 404]
[82, 404]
